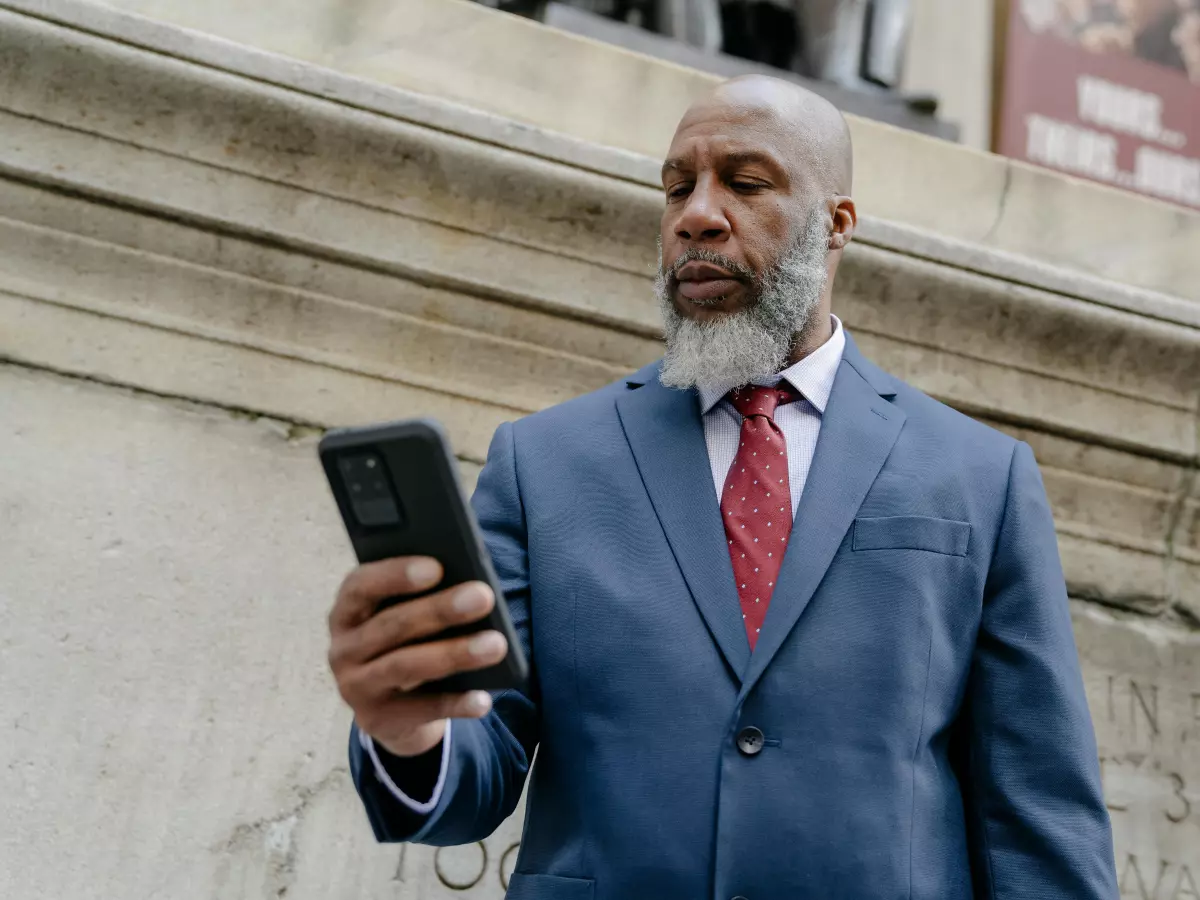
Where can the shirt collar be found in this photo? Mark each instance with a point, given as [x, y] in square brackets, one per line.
[812, 376]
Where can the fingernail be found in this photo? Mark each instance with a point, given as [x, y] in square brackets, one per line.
[479, 702]
[486, 644]
[472, 598]
[423, 571]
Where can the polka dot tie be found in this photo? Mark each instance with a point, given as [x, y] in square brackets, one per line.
[756, 504]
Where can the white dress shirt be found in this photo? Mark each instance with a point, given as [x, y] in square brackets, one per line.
[800, 422]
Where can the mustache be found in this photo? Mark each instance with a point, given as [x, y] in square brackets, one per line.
[741, 271]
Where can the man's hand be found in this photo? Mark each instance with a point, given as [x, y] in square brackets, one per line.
[377, 663]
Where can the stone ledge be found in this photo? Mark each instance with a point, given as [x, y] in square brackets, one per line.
[260, 164]
[1117, 368]
[575, 91]
[951, 245]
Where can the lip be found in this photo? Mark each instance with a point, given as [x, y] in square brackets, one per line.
[708, 289]
[705, 281]
[703, 271]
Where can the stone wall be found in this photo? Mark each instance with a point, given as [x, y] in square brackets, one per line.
[210, 253]
[607, 97]
[950, 57]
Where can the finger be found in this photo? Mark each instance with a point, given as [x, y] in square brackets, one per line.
[413, 666]
[401, 715]
[371, 583]
[408, 622]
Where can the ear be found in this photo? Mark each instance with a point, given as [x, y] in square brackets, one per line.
[845, 220]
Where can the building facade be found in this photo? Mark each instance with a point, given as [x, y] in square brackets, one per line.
[216, 245]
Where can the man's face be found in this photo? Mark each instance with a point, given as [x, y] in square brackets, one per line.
[1078, 11]
[745, 247]
[731, 199]
[1186, 36]
[1138, 13]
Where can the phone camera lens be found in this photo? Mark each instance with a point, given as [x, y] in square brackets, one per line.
[373, 501]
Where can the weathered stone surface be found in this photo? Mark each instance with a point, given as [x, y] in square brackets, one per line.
[608, 96]
[949, 55]
[1143, 681]
[169, 720]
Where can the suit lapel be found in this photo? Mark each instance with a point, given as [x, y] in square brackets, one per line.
[858, 431]
[665, 433]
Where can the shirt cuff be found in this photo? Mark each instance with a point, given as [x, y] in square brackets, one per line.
[382, 774]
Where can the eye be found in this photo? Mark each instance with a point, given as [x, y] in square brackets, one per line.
[746, 187]
[678, 191]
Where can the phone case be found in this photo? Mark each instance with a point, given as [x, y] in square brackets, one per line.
[429, 516]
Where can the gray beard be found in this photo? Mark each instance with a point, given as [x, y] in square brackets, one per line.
[756, 341]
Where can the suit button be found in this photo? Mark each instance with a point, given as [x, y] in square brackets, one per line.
[750, 742]
[739, 897]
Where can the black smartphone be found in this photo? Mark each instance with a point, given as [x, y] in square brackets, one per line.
[397, 489]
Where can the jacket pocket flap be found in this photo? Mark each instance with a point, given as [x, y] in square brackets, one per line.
[548, 887]
[912, 533]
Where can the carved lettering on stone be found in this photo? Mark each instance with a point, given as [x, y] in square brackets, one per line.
[478, 871]
[1143, 684]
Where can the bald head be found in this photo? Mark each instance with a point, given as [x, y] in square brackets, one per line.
[804, 128]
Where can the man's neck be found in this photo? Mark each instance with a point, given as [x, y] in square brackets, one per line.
[812, 339]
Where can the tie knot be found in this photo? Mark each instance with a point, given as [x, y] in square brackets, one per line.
[754, 400]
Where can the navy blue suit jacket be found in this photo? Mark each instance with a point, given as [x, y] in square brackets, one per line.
[916, 679]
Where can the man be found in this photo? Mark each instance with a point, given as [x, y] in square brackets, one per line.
[1142, 28]
[795, 629]
[1154, 23]
[1186, 36]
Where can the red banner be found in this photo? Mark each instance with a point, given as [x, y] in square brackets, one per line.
[1107, 90]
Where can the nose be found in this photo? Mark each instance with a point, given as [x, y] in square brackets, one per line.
[702, 218]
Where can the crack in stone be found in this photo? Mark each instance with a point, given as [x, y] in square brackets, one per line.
[1186, 486]
[1175, 526]
[275, 833]
[1001, 205]
[305, 795]
[293, 429]
[290, 429]
[1143, 606]
[1185, 615]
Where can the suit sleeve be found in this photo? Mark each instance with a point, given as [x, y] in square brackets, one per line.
[1032, 786]
[488, 758]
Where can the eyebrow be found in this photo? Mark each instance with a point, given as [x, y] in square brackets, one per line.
[676, 163]
[752, 156]
[737, 158]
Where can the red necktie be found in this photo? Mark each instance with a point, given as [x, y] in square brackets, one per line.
[756, 505]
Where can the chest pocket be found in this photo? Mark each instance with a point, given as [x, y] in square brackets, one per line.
[945, 536]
